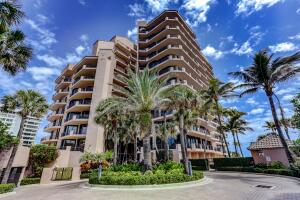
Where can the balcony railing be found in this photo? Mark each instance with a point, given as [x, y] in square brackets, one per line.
[79, 103]
[84, 78]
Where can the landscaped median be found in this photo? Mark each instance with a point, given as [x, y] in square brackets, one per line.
[30, 181]
[4, 188]
[131, 174]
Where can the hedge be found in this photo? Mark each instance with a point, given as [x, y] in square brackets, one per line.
[64, 173]
[199, 164]
[4, 188]
[84, 175]
[233, 162]
[29, 181]
[285, 172]
[146, 179]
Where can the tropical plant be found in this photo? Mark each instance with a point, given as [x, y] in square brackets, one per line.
[96, 157]
[25, 103]
[182, 99]
[295, 120]
[40, 155]
[270, 126]
[236, 125]
[6, 140]
[215, 91]
[265, 73]
[284, 122]
[14, 53]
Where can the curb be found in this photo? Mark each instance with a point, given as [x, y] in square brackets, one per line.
[7, 194]
[201, 182]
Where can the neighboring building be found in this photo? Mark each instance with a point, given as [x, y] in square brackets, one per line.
[167, 44]
[31, 126]
[268, 149]
[78, 91]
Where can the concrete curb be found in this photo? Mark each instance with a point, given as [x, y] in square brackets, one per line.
[7, 194]
[201, 182]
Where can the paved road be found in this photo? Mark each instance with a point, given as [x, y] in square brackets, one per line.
[225, 186]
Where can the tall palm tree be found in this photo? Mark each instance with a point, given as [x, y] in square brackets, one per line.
[25, 103]
[215, 91]
[283, 121]
[10, 14]
[236, 125]
[110, 115]
[270, 126]
[142, 94]
[182, 99]
[265, 73]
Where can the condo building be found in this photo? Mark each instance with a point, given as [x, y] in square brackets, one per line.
[169, 46]
[30, 128]
[80, 88]
[165, 44]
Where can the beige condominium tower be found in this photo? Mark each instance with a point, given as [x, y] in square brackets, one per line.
[166, 44]
[169, 46]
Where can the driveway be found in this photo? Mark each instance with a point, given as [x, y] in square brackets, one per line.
[224, 186]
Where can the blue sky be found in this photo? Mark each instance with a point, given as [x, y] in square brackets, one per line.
[228, 31]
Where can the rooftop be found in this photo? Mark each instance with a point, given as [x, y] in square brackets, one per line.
[268, 142]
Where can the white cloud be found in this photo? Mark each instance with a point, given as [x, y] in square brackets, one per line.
[252, 101]
[286, 90]
[298, 11]
[197, 10]
[159, 5]
[209, 29]
[84, 37]
[42, 18]
[80, 49]
[82, 2]
[248, 7]
[283, 47]
[40, 73]
[132, 34]
[288, 97]
[257, 111]
[136, 10]
[245, 48]
[212, 52]
[295, 37]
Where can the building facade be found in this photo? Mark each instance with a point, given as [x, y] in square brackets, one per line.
[30, 128]
[81, 87]
[169, 46]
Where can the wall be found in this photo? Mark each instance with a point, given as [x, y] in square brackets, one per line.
[277, 154]
[21, 158]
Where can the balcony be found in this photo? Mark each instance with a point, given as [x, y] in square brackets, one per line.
[81, 93]
[85, 69]
[73, 134]
[52, 127]
[118, 78]
[79, 106]
[60, 94]
[65, 81]
[48, 139]
[83, 81]
[77, 119]
[118, 90]
[55, 115]
[58, 104]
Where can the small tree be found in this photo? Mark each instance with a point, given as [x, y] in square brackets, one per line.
[40, 156]
[6, 140]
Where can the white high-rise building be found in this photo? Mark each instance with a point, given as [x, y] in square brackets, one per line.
[30, 128]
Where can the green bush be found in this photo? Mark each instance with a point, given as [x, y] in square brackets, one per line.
[84, 175]
[29, 181]
[64, 173]
[4, 188]
[199, 164]
[168, 165]
[147, 179]
[277, 165]
[125, 167]
[233, 162]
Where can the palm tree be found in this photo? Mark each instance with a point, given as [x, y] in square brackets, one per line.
[110, 115]
[265, 73]
[270, 126]
[236, 125]
[182, 99]
[10, 14]
[25, 103]
[283, 121]
[213, 94]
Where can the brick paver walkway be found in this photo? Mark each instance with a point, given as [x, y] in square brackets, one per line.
[225, 186]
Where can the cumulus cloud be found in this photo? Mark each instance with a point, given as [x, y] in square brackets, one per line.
[84, 37]
[257, 111]
[283, 47]
[159, 5]
[245, 48]
[295, 37]
[196, 11]
[80, 49]
[298, 11]
[136, 10]
[82, 2]
[132, 34]
[288, 97]
[247, 7]
[212, 52]
[40, 73]
[252, 101]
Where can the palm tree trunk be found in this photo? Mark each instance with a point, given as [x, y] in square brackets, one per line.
[135, 148]
[239, 143]
[115, 159]
[276, 121]
[234, 143]
[147, 153]
[221, 130]
[183, 144]
[13, 153]
[166, 138]
[286, 129]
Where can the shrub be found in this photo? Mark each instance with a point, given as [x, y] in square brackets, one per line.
[84, 175]
[64, 173]
[29, 181]
[233, 162]
[168, 165]
[4, 188]
[125, 167]
[277, 165]
[199, 164]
